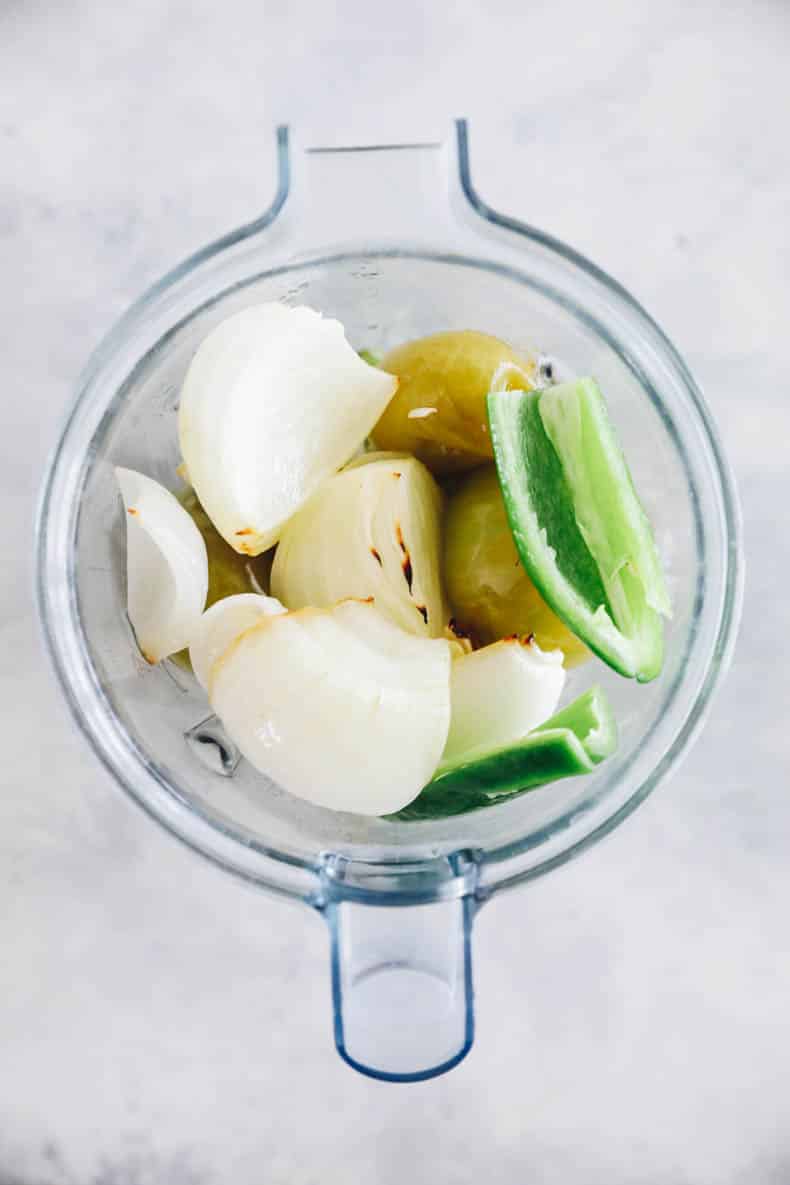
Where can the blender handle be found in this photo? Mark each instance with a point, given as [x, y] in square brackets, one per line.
[402, 994]
[335, 195]
[402, 991]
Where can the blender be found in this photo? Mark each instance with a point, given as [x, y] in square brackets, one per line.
[395, 242]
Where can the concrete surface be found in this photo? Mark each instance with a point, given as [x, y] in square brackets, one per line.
[159, 1024]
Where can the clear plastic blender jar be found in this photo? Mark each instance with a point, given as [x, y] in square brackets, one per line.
[395, 242]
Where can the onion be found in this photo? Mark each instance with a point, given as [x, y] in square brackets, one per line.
[166, 566]
[372, 530]
[500, 693]
[338, 705]
[275, 401]
[221, 624]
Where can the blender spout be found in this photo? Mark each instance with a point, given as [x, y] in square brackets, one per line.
[402, 989]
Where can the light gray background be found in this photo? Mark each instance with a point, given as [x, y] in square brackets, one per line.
[159, 1024]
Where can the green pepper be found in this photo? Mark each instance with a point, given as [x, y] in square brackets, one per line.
[369, 357]
[577, 523]
[572, 742]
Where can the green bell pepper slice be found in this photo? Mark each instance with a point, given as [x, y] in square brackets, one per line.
[572, 742]
[578, 524]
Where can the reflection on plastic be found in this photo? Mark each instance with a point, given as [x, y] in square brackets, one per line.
[213, 747]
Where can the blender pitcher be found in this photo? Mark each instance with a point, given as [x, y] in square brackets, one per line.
[395, 242]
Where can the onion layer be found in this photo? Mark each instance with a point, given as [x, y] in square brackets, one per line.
[166, 566]
[221, 624]
[500, 693]
[372, 530]
[338, 706]
[275, 401]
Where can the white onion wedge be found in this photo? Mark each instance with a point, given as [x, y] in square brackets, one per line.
[275, 401]
[372, 530]
[166, 566]
[500, 693]
[338, 706]
[222, 623]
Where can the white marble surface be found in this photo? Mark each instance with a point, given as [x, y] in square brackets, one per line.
[159, 1024]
